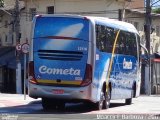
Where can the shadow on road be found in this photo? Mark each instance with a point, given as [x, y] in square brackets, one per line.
[117, 105]
[36, 108]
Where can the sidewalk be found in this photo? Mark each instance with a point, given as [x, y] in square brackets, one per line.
[8, 100]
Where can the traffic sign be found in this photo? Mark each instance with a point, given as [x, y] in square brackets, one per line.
[25, 48]
[18, 47]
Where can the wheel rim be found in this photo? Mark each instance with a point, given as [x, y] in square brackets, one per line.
[102, 99]
[108, 99]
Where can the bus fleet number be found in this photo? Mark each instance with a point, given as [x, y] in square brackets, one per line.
[82, 49]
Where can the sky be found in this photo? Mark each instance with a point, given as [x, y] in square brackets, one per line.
[157, 3]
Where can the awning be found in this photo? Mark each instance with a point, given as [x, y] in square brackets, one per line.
[8, 57]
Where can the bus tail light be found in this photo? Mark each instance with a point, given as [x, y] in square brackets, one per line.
[31, 73]
[88, 76]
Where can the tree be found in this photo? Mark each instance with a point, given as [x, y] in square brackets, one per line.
[156, 10]
[1, 3]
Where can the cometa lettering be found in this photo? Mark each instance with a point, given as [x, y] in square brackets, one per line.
[57, 71]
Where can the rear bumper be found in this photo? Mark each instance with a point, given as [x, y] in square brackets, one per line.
[70, 93]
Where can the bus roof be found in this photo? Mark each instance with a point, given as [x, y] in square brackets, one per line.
[100, 20]
[115, 24]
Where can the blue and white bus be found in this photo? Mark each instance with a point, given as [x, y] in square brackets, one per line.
[80, 58]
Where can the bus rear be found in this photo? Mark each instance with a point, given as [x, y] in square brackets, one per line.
[59, 66]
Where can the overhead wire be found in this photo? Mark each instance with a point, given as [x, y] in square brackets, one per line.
[155, 2]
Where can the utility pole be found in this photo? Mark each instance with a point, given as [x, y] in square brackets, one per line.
[17, 32]
[147, 28]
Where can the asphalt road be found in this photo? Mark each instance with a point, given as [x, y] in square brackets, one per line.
[14, 107]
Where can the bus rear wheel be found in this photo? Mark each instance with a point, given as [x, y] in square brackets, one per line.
[129, 100]
[104, 102]
[108, 98]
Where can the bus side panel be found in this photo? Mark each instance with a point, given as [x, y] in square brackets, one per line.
[101, 70]
[125, 74]
[121, 77]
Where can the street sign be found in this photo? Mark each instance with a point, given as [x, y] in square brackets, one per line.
[25, 48]
[18, 47]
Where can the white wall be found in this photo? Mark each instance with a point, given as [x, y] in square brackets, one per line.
[90, 6]
[4, 31]
[69, 6]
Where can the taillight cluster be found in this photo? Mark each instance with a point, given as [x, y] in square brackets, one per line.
[88, 76]
[31, 73]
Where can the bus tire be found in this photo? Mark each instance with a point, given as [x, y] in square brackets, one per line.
[107, 100]
[129, 100]
[101, 104]
[60, 106]
[48, 104]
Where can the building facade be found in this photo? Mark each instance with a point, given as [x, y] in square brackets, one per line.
[7, 47]
[137, 17]
[105, 8]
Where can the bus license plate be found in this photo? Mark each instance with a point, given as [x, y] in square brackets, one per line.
[58, 91]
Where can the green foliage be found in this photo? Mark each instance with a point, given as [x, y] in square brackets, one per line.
[1, 3]
[156, 10]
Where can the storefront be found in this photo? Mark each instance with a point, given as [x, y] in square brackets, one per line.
[155, 83]
[8, 69]
[154, 87]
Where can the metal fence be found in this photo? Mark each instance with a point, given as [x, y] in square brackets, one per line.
[155, 82]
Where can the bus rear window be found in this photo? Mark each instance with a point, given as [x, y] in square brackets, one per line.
[62, 28]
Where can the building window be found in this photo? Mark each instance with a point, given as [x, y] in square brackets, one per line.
[136, 24]
[10, 37]
[0, 18]
[6, 24]
[32, 12]
[158, 30]
[50, 10]
[0, 42]
[6, 37]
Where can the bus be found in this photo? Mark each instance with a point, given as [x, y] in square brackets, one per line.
[86, 59]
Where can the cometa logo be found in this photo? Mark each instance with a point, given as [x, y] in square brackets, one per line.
[127, 64]
[57, 71]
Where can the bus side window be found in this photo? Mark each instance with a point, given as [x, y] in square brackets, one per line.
[132, 44]
[126, 44]
[99, 41]
[121, 43]
[105, 37]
